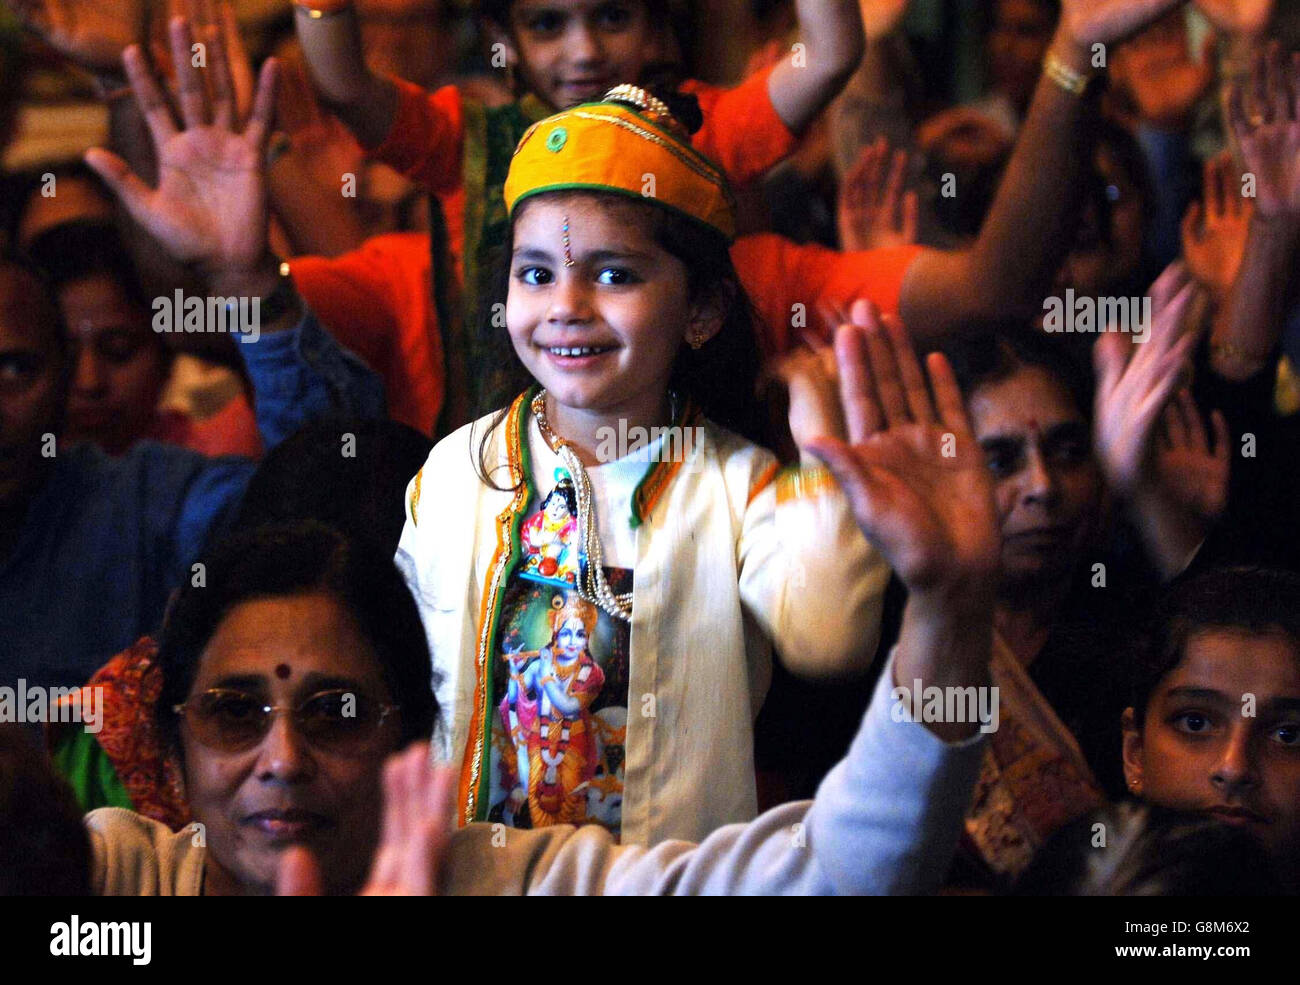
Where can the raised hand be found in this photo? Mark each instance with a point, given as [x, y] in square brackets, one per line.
[809, 375]
[418, 806]
[1269, 134]
[875, 210]
[92, 33]
[1215, 229]
[911, 469]
[881, 18]
[1191, 472]
[209, 208]
[1136, 381]
[1248, 17]
[1163, 81]
[1088, 22]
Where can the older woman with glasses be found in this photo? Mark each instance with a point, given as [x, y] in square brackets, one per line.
[290, 673]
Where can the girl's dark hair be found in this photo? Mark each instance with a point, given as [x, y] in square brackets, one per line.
[1149, 851]
[992, 353]
[297, 559]
[361, 494]
[1252, 600]
[721, 378]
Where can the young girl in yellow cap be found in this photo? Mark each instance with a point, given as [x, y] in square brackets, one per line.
[558, 53]
[623, 691]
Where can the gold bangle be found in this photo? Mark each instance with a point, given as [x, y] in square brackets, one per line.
[1075, 83]
[804, 483]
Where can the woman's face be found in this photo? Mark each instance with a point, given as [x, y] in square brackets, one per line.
[118, 364]
[256, 802]
[1222, 736]
[600, 335]
[1047, 486]
[574, 51]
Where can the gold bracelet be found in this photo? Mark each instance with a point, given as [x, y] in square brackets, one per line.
[1075, 83]
[804, 483]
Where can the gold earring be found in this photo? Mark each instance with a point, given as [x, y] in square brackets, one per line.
[697, 338]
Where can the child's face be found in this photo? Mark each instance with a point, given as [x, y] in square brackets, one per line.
[602, 335]
[574, 51]
[1222, 736]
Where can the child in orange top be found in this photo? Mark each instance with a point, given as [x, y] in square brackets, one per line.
[562, 53]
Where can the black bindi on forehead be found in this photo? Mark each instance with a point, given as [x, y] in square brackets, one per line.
[282, 671]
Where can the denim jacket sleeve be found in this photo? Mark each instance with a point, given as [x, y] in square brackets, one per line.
[303, 374]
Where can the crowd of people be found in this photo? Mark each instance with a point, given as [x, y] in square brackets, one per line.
[629, 446]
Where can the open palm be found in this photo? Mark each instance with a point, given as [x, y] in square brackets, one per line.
[1106, 21]
[92, 33]
[1239, 16]
[1136, 382]
[209, 207]
[1270, 139]
[911, 469]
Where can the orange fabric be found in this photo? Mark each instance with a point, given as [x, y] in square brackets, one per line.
[742, 132]
[377, 301]
[230, 431]
[778, 274]
[427, 138]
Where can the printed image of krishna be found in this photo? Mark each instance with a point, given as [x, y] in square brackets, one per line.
[557, 755]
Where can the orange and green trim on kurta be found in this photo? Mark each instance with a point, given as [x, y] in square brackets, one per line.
[475, 777]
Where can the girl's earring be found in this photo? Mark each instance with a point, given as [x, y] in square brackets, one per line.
[697, 338]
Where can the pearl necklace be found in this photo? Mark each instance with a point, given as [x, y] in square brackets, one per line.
[593, 586]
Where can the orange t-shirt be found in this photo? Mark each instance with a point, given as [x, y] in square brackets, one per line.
[377, 301]
[742, 134]
[779, 274]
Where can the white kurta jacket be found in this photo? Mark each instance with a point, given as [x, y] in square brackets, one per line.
[723, 571]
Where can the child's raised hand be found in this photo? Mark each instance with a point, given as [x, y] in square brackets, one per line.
[210, 205]
[809, 375]
[876, 210]
[1136, 381]
[1215, 229]
[1192, 472]
[911, 468]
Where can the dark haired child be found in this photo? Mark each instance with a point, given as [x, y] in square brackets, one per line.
[620, 688]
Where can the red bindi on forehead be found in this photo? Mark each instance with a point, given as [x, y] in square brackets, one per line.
[282, 671]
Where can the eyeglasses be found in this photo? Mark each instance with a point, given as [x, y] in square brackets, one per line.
[335, 721]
